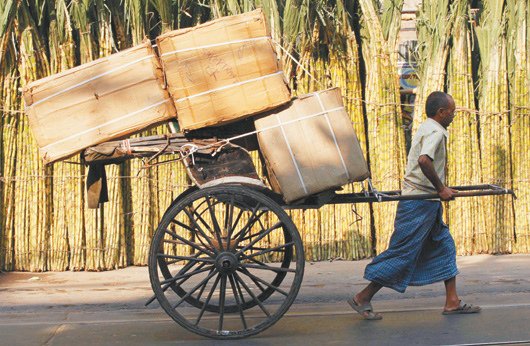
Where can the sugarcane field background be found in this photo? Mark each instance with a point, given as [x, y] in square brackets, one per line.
[478, 51]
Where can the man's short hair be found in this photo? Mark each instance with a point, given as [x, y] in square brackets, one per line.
[435, 101]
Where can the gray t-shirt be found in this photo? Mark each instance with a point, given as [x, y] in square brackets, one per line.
[430, 140]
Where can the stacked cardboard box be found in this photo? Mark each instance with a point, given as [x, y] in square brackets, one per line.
[310, 146]
[98, 101]
[222, 70]
[218, 72]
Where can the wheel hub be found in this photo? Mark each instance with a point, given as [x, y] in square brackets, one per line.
[226, 262]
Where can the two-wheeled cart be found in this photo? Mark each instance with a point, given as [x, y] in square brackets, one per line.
[226, 260]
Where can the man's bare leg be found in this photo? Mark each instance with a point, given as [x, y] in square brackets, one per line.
[366, 295]
[451, 297]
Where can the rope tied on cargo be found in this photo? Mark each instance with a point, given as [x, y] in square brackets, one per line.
[188, 150]
[297, 62]
[126, 145]
[228, 140]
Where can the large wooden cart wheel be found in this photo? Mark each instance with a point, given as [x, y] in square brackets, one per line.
[226, 262]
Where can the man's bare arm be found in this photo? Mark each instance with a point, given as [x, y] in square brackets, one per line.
[427, 168]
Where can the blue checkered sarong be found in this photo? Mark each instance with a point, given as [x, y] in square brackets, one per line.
[421, 249]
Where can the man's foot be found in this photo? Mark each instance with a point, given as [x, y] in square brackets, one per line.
[462, 308]
[364, 309]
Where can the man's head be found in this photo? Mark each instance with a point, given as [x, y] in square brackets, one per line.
[440, 107]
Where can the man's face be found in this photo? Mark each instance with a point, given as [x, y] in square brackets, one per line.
[448, 113]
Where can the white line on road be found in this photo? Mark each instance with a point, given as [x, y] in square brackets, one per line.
[494, 343]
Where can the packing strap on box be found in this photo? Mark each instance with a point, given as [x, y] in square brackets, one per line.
[295, 163]
[333, 134]
[228, 86]
[298, 172]
[115, 120]
[91, 79]
[213, 45]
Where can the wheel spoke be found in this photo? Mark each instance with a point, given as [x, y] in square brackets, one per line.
[216, 227]
[190, 243]
[257, 248]
[201, 219]
[193, 231]
[266, 267]
[240, 292]
[261, 236]
[203, 287]
[258, 285]
[186, 258]
[254, 277]
[194, 289]
[250, 221]
[250, 236]
[179, 276]
[233, 226]
[236, 296]
[229, 214]
[238, 278]
[264, 251]
[208, 299]
[222, 297]
[199, 229]
[169, 282]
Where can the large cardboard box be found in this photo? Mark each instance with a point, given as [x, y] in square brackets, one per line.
[222, 70]
[310, 146]
[98, 101]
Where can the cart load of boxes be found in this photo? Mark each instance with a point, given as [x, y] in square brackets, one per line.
[219, 72]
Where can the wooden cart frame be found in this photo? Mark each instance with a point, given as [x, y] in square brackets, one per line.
[227, 260]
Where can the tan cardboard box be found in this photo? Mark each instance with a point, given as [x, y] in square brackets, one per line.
[105, 99]
[310, 146]
[222, 70]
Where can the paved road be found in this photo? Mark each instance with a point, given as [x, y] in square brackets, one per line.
[107, 308]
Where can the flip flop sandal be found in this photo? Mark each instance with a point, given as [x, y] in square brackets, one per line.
[366, 310]
[463, 308]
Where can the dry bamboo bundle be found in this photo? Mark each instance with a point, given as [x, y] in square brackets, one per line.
[31, 201]
[385, 134]
[465, 215]
[518, 14]
[434, 25]
[355, 220]
[9, 142]
[113, 222]
[3, 249]
[66, 230]
[143, 205]
[494, 125]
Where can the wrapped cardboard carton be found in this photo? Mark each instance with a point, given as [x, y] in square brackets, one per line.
[222, 70]
[98, 101]
[310, 146]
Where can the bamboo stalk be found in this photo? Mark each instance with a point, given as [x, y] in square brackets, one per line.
[494, 124]
[465, 216]
[519, 80]
[385, 134]
[434, 25]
